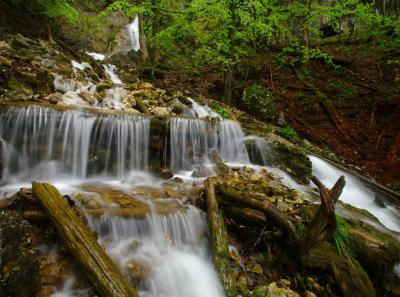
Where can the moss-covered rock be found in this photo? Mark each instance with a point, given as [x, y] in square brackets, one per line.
[18, 257]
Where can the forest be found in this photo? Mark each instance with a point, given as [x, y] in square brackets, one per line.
[191, 148]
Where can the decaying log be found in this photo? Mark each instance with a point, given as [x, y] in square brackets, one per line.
[266, 206]
[82, 244]
[323, 223]
[248, 214]
[218, 236]
[321, 227]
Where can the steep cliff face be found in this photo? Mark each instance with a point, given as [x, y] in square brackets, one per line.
[78, 23]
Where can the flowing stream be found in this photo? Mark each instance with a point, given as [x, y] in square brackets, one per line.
[80, 151]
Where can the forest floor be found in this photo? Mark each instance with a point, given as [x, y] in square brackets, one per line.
[353, 109]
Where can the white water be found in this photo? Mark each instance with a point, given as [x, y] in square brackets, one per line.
[111, 72]
[172, 250]
[200, 111]
[133, 29]
[71, 147]
[96, 56]
[42, 143]
[356, 193]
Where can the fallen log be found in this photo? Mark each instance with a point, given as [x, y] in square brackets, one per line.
[321, 227]
[219, 237]
[323, 223]
[99, 268]
[266, 206]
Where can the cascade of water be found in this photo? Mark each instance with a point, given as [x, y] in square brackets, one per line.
[190, 142]
[172, 251]
[96, 56]
[110, 71]
[42, 143]
[200, 111]
[355, 193]
[113, 98]
[133, 29]
[230, 142]
[258, 153]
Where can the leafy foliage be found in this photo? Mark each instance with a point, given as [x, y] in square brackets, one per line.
[340, 237]
[225, 113]
[258, 101]
[288, 133]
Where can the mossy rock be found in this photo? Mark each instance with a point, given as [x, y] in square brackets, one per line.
[284, 155]
[19, 268]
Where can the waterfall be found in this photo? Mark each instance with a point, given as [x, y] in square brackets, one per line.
[42, 143]
[111, 72]
[172, 250]
[231, 142]
[356, 193]
[190, 143]
[133, 29]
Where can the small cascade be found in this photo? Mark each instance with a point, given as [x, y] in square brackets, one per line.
[200, 111]
[356, 193]
[42, 143]
[171, 252]
[190, 143]
[230, 142]
[96, 56]
[111, 72]
[133, 29]
[258, 153]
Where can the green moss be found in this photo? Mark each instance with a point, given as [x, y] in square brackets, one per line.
[63, 9]
[13, 84]
[288, 133]
[258, 101]
[340, 238]
[225, 113]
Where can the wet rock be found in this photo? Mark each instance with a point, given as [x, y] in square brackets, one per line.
[54, 97]
[281, 119]
[5, 61]
[136, 272]
[19, 264]
[275, 291]
[202, 171]
[177, 106]
[48, 63]
[309, 294]
[21, 94]
[257, 269]
[104, 86]
[129, 100]
[160, 111]
[88, 97]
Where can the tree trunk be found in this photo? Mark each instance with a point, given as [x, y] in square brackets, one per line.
[218, 236]
[142, 40]
[228, 85]
[82, 244]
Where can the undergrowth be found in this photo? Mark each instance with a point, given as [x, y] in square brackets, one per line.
[340, 237]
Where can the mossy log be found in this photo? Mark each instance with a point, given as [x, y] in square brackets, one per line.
[219, 237]
[322, 225]
[261, 203]
[82, 244]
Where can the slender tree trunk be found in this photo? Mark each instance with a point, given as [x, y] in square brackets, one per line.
[228, 85]
[156, 55]
[142, 40]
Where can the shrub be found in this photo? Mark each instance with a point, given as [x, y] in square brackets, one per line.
[257, 100]
[340, 237]
[288, 133]
[225, 113]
